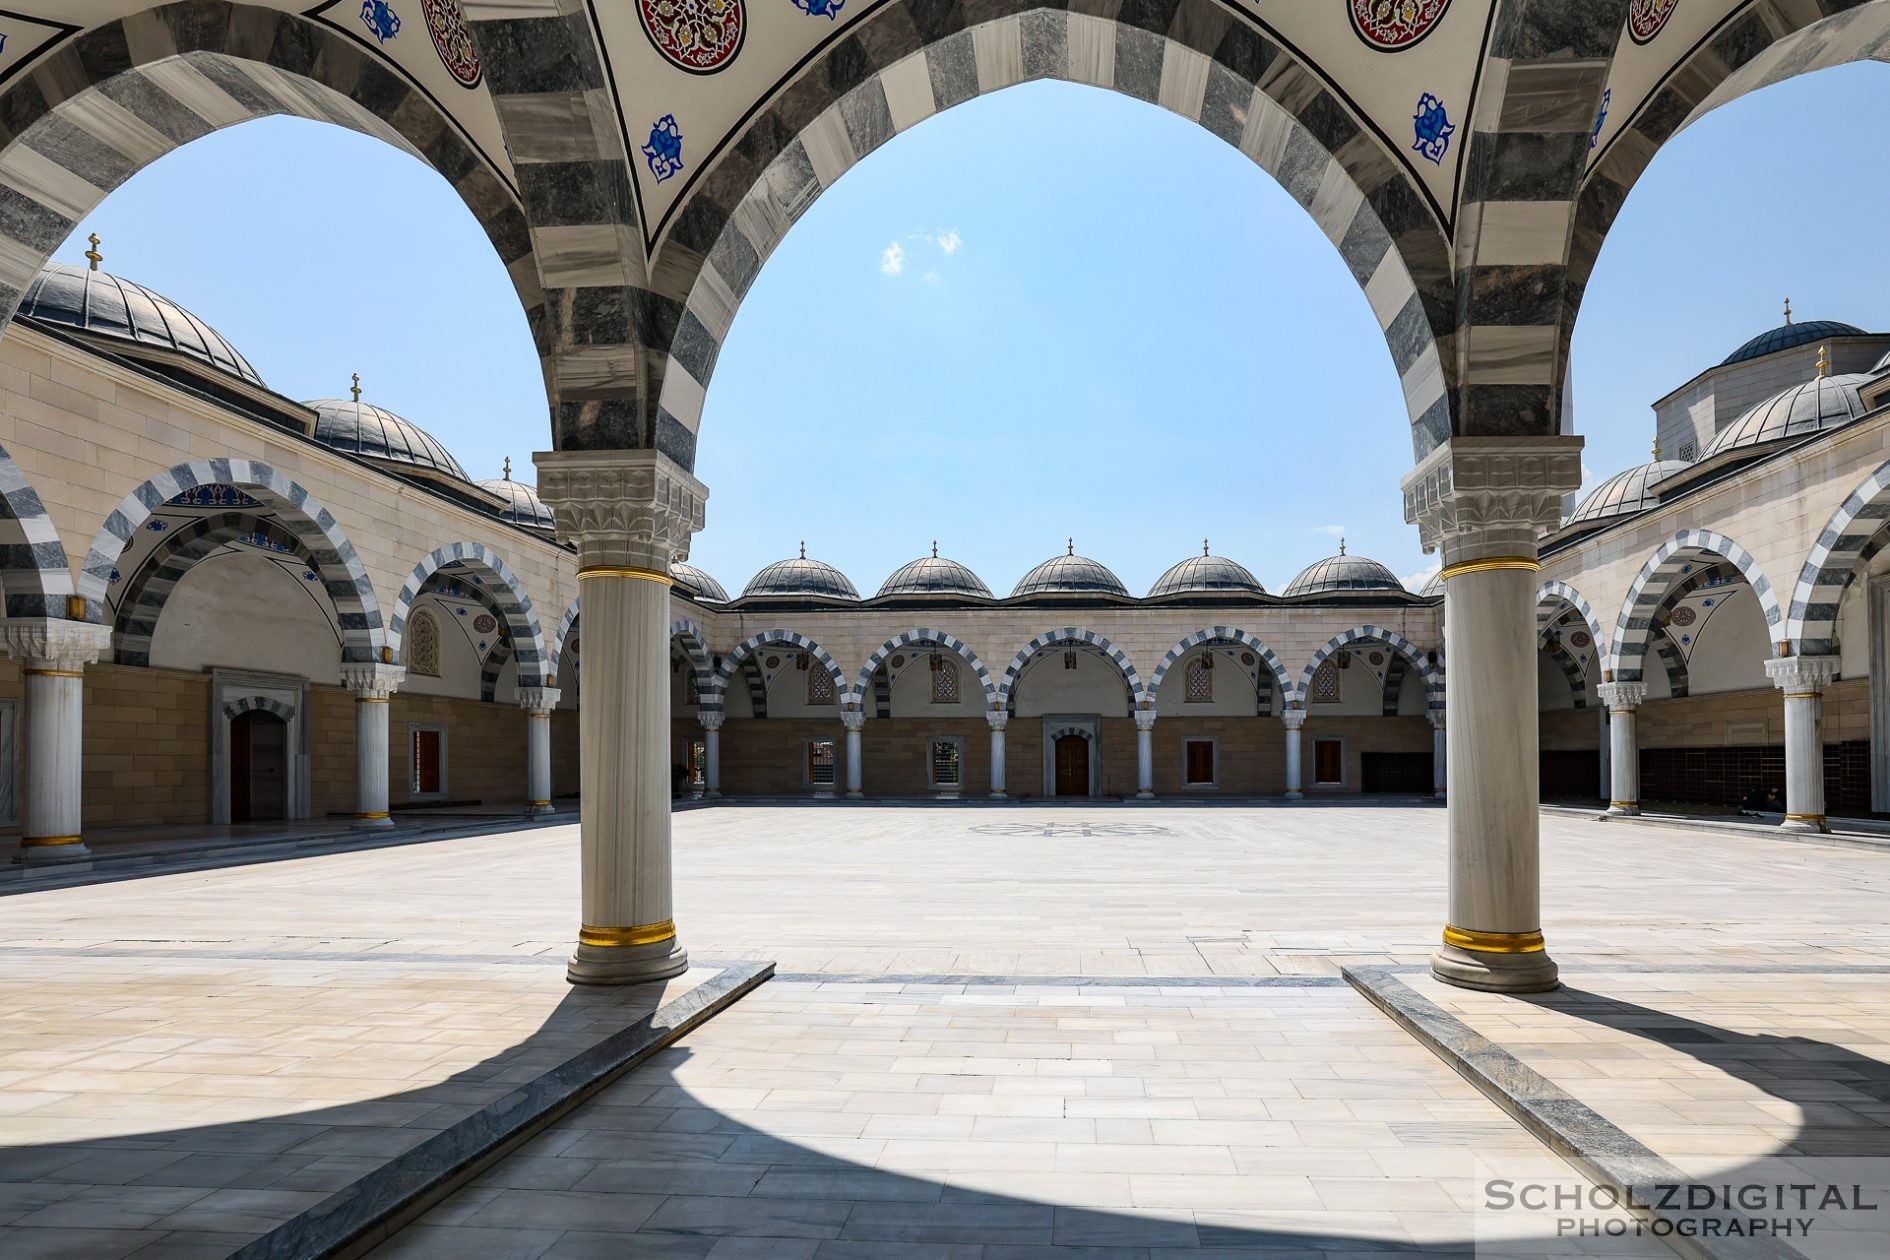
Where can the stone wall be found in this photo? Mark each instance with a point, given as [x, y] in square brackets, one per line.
[147, 746]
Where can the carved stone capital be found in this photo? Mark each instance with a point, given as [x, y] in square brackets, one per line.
[853, 719]
[1145, 719]
[53, 643]
[539, 701]
[1478, 497]
[1621, 695]
[997, 717]
[1293, 719]
[372, 682]
[1802, 673]
[637, 509]
[1436, 716]
[711, 719]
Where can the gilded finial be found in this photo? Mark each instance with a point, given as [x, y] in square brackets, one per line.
[1824, 360]
[92, 255]
[507, 473]
[1072, 546]
[803, 549]
[355, 389]
[1656, 449]
[1788, 310]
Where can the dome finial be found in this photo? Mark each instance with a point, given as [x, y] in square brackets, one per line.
[1341, 544]
[1824, 361]
[803, 549]
[935, 549]
[1788, 310]
[1656, 448]
[355, 388]
[1070, 548]
[1204, 546]
[92, 255]
[507, 473]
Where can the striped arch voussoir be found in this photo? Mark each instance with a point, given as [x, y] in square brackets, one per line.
[1072, 636]
[1221, 634]
[1854, 534]
[559, 640]
[919, 638]
[746, 649]
[1670, 564]
[1433, 675]
[695, 643]
[505, 592]
[255, 704]
[34, 576]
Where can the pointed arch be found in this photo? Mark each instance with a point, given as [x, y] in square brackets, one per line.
[922, 637]
[1849, 540]
[1549, 594]
[357, 611]
[1073, 636]
[1670, 564]
[695, 645]
[1222, 634]
[34, 574]
[1433, 675]
[566, 624]
[746, 649]
[504, 590]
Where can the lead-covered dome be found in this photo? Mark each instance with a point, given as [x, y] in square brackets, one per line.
[1069, 574]
[1342, 573]
[1206, 574]
[348, 424]
[524, 507]
[934, 575]
[1625, 493]
[1433, 589]
[1883, 364]
[698, 583]
[1823, 402]
[801, 576]
[1788, 334]
[103, 305]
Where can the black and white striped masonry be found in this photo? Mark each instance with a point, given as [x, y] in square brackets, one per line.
[746, 650]
[142, 603]
[921, 639]
[1073, 636]
[1224, 634]
[501, 589]
[1654, 584]
[1848, 541]
[33, 571]
[1433, 675]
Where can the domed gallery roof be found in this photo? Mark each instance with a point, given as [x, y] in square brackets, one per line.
[1823, 402]
[103, 305]
[1069, 574]
[1206, 574]
[525, 507]
[1883, 364]
[801, 576]
[1788, 334]
[698, 583]
[1625, 493]
[1342, 573]
[1433, 589]
[934, 575]
[348, 424]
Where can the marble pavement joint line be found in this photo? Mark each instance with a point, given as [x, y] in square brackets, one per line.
[354, 1220]
[1593, 1145]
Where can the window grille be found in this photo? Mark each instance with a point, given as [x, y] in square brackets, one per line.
[1201, 679]
[944, 680]
[423, 645]
[947, 762]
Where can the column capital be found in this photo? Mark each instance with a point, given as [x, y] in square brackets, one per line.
[853, 719]
[372, 681]
[1621, 695]
[1436, 716]
[711, 719]
[54, 643]
[1478, 498]
[1293, 719]
[997, 717]
[539, 701]
[1145, 719]
[636, 509]
[1802, 673]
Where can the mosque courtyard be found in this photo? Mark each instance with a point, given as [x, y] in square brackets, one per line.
[1105, 1031]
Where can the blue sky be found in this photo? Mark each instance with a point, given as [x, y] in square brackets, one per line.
[1050, 312]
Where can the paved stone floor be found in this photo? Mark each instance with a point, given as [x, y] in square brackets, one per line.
[887, 1073]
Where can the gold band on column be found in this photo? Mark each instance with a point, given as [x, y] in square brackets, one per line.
[1487, 564]
[1623, 804]
[380, 813]
[1494, 942]
[47, 842]
[625, 571]
[370, 699]
[55, 673]
[647, 934]
[537, 803]
[1811, 818]
[1803, 695]
[1621, 712]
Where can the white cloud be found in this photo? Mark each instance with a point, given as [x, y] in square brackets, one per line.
[1417, 581]
[893, 260]
[1337, 531]
[950, 241]
[932, 277]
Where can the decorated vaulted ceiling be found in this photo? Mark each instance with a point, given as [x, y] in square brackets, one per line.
[686, 77]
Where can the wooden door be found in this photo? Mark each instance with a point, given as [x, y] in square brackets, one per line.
[1072, 755]
[1328, 761]
[268, 745]
[1200, 762]
[240, 727]
[426, 761]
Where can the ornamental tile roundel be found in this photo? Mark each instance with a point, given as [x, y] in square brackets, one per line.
[1645, 18]
[1394, 25]
[485, 623]
[699, 36]
[447, 25]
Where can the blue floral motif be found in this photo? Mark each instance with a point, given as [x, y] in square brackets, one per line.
[309, 575]
[829, 9]
[1433, 128]
[156, 526]
[664, 151]
[381, 19]
[116, 577]
[1601, 118]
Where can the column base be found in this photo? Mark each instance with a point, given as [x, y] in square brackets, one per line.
[1622, 809]
[1439, 796]
[855, 795]
[538, 809]
[627, 964]
[713, 794]
[1495, 973]
[370, 822]
[1000, 796]
[1295, 796]
[1805, 822]
[65, 850]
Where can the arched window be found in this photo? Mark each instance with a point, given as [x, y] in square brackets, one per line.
[944, 679]
[1201, 679]
[423, 645]
[1325, 682]
[819, 684]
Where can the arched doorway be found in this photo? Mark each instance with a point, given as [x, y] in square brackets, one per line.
[259, 767]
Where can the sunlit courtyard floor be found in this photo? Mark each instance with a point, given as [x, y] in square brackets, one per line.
[188, 1059]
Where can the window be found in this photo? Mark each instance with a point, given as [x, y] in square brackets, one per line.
[698, 763]
[1328, 756]
[820, 763]
[1689, 451]
[946, 759]
[1325, 682]
[1198, 768]
[426, 760]
[1069, 660]
[1201, 679]
[423, 645]
[819, 685]
[944, 679]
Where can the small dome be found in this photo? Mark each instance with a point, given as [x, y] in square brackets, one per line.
[526, 507]
[934, 575]
[1069, 574]
[1625, 493]
[698, 583]
[801, 576]
[104, 305]
[1434, 589]
[1343, 573]
[1206, 574]
[1787, 335]
[1823, 402]
[1883, 364]
[347, 424]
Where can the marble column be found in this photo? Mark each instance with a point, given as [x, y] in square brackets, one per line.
[1293, 719]
[538, 702]
[997, 718]
[372, 686]
[1483, 502]
[1803, 680]
[1624, 749]
[55, 653]
[630, 514]
[1145, 754]
[1440, 755]
[711, 751]
[854, 720]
